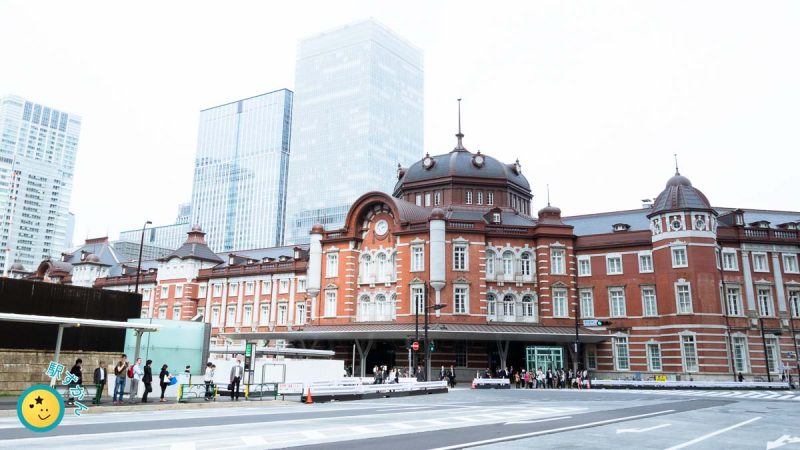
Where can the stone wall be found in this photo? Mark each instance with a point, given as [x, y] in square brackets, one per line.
[20, 369]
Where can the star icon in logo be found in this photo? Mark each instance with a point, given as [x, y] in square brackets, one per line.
[39, 400]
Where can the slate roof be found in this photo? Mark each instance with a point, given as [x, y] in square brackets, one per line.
[602, 222]
[261, 253]
[194, 250]
[679, 194]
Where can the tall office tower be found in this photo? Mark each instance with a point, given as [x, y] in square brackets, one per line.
[358, 114]
[37, 162]
[241, 171]
[184, 214]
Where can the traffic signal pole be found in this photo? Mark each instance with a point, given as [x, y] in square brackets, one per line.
[427, 345]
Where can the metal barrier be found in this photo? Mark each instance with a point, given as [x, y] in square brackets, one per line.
[491, 383]
[261, 390]
[188, 392]
[63, 390]
[330, 390]
[727, 385]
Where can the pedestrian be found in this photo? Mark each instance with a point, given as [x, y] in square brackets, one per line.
[100, 379]
[208, 379]
[452, 377]
[138, 373]
[120, 372]
[236, 378]
[585, 376]
[516, 380]
[163, 379]
[147, 379]
[188, 372]
[741, 377]
[78, 373]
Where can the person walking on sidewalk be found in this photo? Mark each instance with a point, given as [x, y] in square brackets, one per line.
[147, 379]
[135, 379]
[120, 372]
[163, 379]
[236, 378]
[208, 379]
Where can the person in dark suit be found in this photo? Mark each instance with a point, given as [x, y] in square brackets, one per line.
[147, 379]
[100, 377]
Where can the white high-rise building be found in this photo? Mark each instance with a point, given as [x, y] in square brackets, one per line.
[241, 171]
[37, 163]
[358, 114]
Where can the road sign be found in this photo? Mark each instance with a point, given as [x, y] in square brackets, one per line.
[415, 346]
[595, 323]
[661, 378]
[290, 388]
[790, 354]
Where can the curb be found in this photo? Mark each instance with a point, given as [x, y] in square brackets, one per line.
[94, 409]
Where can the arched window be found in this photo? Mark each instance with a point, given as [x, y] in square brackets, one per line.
[525, 264]
[365, 269]
[489, 264]
[508, 265]
[393, 305]
[528, 308]
[508, 306]
[381, 309]
[382, 273]
[393, 268]
[364, 308]
[491, 305]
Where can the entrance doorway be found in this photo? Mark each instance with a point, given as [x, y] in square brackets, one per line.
[544, 357]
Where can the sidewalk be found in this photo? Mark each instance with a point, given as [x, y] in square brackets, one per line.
[8, 405]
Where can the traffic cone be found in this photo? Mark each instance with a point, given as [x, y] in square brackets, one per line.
[309, 400]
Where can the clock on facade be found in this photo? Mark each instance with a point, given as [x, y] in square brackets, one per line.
[427, 162]
[699, 224]
[382, 227]
[676, 224]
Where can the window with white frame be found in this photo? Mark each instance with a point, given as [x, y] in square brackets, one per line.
[330, 303]
[591, 358]
[460, 299]
[689, 353]
[176, 313]
[178, 290]
[215, 316]
[765, 301]
[683, 296]
[468, 197]
[147, 294]
[480, 197]
[525, 265]
[283, 309]
[584, 266]
[773, 353]
[417, 300]
[301, 285]
[760, 263]
[300, 313]
[332, 265]
[790, 263]
[382, 266]
[144, 314]
[496, 217]
[459, 256]
[427, 199]
[679, 258]
[729, 261]
[509, 306]
[283, 286]
[263, 314]
[645, 262]
[417, 258]
[393, 266]
[437, 198]
[794, 302]
[614, 264]
[587, 303]
[217, 290]
[490, 198]
[266, 287]
[201, 291]
[247, 315]
[557, 266]
[365, 268]
[249, 288]
[201, 311]
[649, 303]
[654, 357]
[734, 301]
[490, 264]
[560, 303]
[740, 353]
[508, 265]
[233, 289]
[616, 298]
[621, 353]
[717, 257]
[418, 199]
[164, 291]
[230, 319]
[162, 312]
[491, 305]
[528, 307]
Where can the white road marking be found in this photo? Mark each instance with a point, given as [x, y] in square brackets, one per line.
[540, 420]
[781, 441]
[183, 446]
[552, 430]
[253, 440]
[642, 430]
[712, 434]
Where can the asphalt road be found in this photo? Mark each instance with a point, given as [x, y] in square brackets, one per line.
[460, 419]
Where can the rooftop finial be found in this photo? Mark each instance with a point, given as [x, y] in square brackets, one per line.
[548, 195]
[676, 164]
[460, 135]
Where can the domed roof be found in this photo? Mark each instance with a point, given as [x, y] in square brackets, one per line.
[679, 194]
[17, 267]
[463, 164]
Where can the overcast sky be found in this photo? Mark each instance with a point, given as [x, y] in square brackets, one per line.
[592, 97]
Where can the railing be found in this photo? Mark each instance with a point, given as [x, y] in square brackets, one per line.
[286, 266]
[507, 230]
[785, 234]
[756, 233]
[461, 225]
[376, 312]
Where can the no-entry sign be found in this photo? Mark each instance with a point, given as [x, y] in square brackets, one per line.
[415, 346]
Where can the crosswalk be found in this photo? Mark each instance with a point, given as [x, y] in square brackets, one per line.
[749, 395]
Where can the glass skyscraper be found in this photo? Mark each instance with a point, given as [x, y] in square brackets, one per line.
[37, 163]
[358, 113]
[241, 171]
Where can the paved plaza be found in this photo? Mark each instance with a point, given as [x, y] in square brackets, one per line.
[462, 418]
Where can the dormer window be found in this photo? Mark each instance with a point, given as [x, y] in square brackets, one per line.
[739, 219]
[760, 224]
[468, 198]
[621, 227]
[231, 260]
[496, 217]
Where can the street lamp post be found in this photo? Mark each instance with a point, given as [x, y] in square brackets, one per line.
[764, 343]
[139, 262]
[427, 344]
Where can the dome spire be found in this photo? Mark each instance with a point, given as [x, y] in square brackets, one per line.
[677, 172]
[548, 194]
[460, 135]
